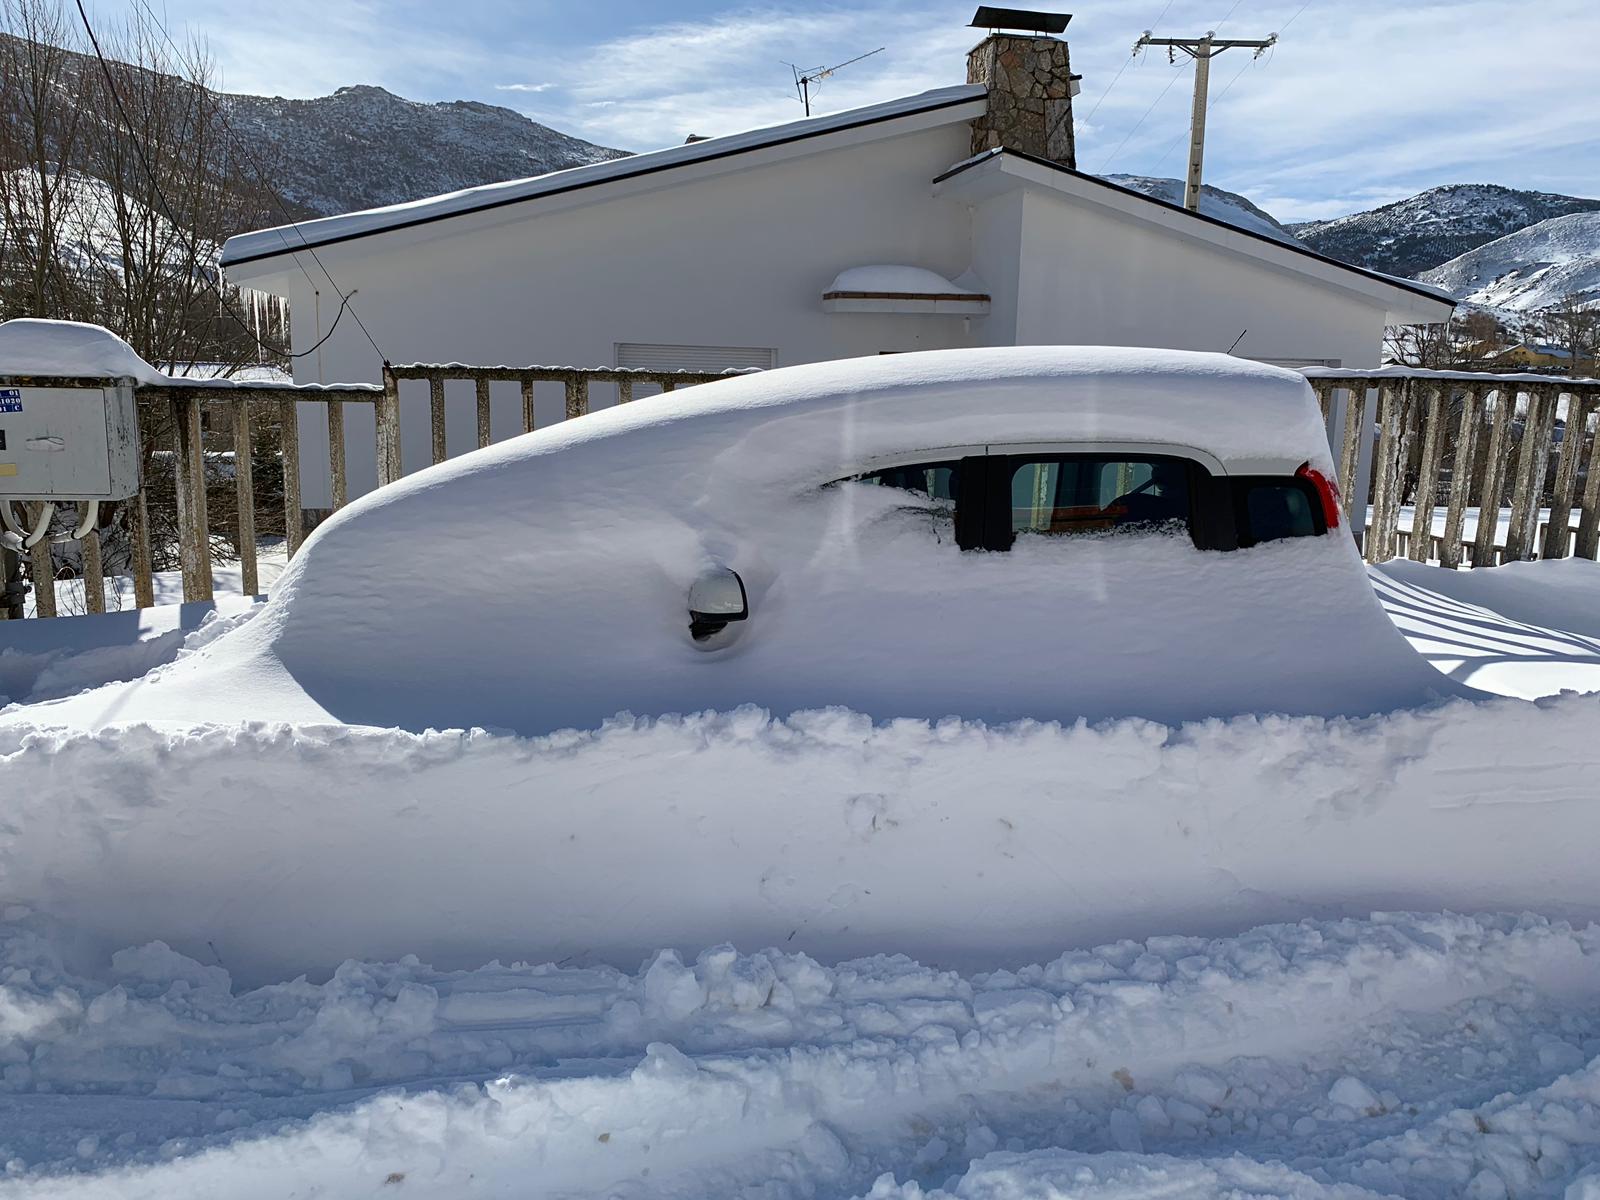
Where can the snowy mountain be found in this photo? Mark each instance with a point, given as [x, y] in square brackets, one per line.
[1410, 236]
[1529, 269]
[1214, 202]
[363, 147]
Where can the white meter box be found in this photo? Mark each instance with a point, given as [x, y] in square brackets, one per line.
[77, 443]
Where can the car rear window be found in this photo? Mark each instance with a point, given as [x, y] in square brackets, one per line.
[1063, 495]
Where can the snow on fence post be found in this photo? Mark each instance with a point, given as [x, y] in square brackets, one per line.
[1350, 452]
[194, 541]
[436, 426]
[388, 429]
[244, 497]
[485, 412]
[1505, 404]
[1461, 478]
[43, 569]
[1558, 533]
[1527, 480]
[525, 383]
[1428, 482]
[577, 395]
[336, 464]
[289, 455]
[1386, 476]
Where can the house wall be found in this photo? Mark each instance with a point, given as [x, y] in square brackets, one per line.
[1089, 275]
[740, 259]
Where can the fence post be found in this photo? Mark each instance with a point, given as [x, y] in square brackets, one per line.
[336, 468]
[1527, 482]
[1505, 404]
[1427, 484]
[94, 575]
[44, 571]
[436, 426]
[577, 396]
[1355, 412]
[1461, 478]
[485, 412]
[144, 583]
[1386, 481]
[1589, 514]
[388, 425]
[289, 453]
[244, 497]
[1558, 534]
[624, 391]
[527, 404]
[194, 540]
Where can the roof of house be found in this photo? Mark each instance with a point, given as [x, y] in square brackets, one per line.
[286, 239]
[1426, 291]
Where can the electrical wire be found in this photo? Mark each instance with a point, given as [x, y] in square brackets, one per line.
[1106, 166]
[194, 246]
[1126, 63]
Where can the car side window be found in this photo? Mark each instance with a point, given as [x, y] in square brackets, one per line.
[937, 481]
[1064, 495]
[1269, 510]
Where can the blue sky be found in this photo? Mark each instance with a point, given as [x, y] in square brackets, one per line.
[1363, 101]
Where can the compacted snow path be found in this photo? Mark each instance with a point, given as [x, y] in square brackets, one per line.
[1439, 1056]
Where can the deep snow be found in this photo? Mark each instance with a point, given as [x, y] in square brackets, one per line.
[1428, 1057]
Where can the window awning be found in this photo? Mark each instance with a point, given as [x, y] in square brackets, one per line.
[901, 289]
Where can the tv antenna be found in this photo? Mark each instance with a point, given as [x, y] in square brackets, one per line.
[804, 79]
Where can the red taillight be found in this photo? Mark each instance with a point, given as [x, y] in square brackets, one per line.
[1327, 492]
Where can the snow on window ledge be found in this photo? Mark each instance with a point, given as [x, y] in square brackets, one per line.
[901, 289]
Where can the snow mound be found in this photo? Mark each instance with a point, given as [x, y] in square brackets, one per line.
[559, 565]
[894, 280]
[290, 849]
[1176, 1067]
[1530, 269]
[34, 346]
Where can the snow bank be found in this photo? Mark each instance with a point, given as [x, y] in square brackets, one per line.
[1176, 1067]
[33, 346]
[292, 848]
[893, 280]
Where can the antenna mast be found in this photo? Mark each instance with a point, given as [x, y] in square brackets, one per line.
[804, 79]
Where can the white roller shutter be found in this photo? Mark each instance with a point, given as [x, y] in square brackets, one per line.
[653, 356]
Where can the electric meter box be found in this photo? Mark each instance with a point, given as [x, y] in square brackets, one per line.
[69, 443]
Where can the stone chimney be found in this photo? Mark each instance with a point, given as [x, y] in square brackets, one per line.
[1030, 96]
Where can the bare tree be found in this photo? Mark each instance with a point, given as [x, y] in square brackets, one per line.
[1573, 323]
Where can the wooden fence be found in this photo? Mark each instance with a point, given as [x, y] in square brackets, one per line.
[190, 402]
[1461, 441]
[1456, 440]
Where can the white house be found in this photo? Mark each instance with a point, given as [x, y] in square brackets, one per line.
[952, 218]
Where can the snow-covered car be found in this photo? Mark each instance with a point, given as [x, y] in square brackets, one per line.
[1045, 533]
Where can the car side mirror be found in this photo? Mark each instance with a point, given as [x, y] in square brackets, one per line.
[715, 599]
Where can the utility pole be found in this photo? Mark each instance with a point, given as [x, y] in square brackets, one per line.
[1202, 50]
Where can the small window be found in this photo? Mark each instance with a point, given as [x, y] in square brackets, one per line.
[1269, 510]
[1081, 494]
[937, 481]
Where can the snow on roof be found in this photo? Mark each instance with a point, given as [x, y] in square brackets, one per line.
[34, 346]
[265, 243]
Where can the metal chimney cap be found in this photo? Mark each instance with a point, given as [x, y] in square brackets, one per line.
[1023, 19]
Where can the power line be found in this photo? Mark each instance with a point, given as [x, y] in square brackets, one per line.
[177, 225]
[1126, 63]
[1106, 166]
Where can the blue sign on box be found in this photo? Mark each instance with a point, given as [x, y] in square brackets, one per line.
[10, 400]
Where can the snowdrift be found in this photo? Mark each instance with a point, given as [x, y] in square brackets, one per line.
[279, 848]
[1428, 1057]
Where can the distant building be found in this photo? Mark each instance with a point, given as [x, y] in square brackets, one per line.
[1541, 356]
[956, 217]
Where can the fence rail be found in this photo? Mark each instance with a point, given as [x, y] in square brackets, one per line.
[1450, 440]
[188, 402]
[1465, 440]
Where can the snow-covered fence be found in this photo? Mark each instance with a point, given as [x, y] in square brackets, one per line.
[1468, 442]
[190, 401]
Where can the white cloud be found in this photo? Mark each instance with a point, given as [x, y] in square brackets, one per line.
[523, 87]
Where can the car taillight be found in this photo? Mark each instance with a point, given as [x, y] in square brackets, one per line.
[1327, 492]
